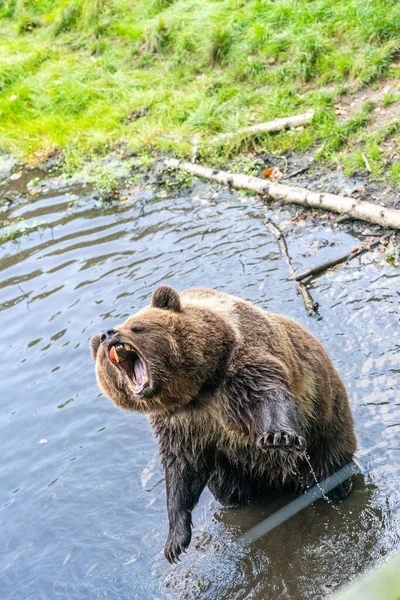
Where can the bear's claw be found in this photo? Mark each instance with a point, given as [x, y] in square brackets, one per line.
[175, 546]
[282, 440]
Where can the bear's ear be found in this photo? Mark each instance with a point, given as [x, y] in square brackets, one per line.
[166, 297]
[94, 346]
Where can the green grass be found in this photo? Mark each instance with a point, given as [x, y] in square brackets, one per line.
[382, 583]
[71, 71]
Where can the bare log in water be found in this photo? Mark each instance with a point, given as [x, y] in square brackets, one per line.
[340, 259]
[357, 209]
[311, 306]
[275, 125]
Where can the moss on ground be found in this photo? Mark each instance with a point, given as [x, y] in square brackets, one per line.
[76, 75]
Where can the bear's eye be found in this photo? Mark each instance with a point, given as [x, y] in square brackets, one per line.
[137, 329]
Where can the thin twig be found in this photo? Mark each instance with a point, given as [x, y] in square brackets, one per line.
[366, 162]
[311, 306]
[26, 296]
[340, 259]
[280, 157]
[298, 172]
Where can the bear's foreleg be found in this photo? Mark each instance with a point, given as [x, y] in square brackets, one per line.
[184, 483]
[259, 398]
[279, 422]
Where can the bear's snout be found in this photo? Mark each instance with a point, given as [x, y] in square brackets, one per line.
[107, 335]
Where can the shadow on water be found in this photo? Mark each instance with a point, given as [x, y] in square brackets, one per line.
[81, 491]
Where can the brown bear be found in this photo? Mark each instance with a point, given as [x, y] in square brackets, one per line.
[235, 395]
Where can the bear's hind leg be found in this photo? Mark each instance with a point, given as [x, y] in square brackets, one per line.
[318, 466]
[341, 491]
[231, 487]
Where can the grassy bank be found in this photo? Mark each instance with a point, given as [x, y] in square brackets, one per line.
[72, 72]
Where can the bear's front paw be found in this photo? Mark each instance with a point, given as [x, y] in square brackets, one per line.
[288, 441]
[175, 545]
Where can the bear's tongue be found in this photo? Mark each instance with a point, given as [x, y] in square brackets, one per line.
[140, 372]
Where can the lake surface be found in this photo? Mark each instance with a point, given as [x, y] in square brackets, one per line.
[83, 510]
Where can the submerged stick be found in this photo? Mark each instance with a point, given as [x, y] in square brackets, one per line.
[311, 306]
[275, 125]
[340, 259]
[358, 209]
[291, 509]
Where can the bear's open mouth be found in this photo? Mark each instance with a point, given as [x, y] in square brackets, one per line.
[131, 365]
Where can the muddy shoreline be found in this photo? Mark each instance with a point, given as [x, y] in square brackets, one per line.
[121, 177]
[301, 170]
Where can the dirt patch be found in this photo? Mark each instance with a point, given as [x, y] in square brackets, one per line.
[384, 112]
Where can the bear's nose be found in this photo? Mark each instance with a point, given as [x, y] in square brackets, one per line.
[107, 334]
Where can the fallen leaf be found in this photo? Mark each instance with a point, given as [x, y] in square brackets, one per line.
[267, 172]
[273, 174]
[15, 176]
[354, 250]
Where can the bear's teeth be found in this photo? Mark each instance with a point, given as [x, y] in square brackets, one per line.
[127, 347]
[113, 355]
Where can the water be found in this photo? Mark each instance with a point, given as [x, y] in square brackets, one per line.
[83, 512]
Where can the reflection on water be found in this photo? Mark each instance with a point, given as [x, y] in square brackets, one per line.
[82, 492]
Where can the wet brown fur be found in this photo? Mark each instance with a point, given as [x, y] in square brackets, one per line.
[226, 377]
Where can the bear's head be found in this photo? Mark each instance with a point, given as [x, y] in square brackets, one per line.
[164, 356]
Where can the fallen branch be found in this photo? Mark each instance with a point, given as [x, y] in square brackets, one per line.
[340, 259]
[275, 125]
[311, 306]
[357, 209]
